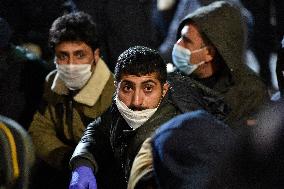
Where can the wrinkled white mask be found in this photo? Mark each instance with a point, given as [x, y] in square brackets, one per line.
[134, 118]
[75, 76]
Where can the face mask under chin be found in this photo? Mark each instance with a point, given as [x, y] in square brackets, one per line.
[134, 118]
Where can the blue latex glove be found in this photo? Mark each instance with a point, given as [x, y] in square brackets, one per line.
[83, 178]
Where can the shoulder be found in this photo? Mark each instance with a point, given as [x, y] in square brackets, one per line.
[166, 110]
[250, 83]
[49, 95]
[106, 118]
[109, 86]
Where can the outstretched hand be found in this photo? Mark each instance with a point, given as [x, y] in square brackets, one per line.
[83, 178]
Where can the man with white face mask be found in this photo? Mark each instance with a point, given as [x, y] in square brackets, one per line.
[210, 49]
[140, 105]
[79, 90]
[143, 101]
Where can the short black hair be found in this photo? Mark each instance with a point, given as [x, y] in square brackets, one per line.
[140, 60]
[76, 26]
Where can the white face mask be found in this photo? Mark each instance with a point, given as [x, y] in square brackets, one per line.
[134, 118]
[75, 76]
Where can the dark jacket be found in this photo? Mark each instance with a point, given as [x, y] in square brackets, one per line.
[21, 84]
[30, 20]
[188, 95]
[17, 155]
[113, 144]
[110, 145]
[241, 88]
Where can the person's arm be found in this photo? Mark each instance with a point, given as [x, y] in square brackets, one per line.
[93, 147]
[246, 99]
[47, 144]
[83, 153]
[141, 175]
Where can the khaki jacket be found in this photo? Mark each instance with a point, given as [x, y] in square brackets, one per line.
[142, 164]
[59, 124]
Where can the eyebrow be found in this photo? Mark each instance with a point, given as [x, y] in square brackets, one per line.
[78, 51]
[143, 83]
[149, 81]
[184, 37]
[62, 52]
[74, 52]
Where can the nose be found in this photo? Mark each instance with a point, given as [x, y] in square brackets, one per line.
[137, 99]
[70, 60]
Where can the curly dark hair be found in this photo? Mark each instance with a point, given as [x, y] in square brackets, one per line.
[139, 60]
[76, 26]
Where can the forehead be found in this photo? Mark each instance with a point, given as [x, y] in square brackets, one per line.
[68, 46]
[191, 32]
[137, 80]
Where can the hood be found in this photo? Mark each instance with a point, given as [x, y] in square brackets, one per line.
[225, 27]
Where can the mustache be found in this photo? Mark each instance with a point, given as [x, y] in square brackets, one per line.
[137, 108]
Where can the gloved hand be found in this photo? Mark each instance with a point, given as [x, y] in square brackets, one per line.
[83, 178]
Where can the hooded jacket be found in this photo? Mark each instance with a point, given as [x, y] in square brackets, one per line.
[223, 24]
[185, 7]
[59, 124]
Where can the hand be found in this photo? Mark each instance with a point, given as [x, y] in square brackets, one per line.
[83, 178]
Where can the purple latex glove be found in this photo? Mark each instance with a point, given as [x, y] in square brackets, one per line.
[83, 178]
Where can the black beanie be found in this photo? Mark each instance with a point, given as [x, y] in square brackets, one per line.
[189, 150]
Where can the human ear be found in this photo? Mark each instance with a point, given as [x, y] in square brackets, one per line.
[210, 53]
[97, 55]
[165, 88]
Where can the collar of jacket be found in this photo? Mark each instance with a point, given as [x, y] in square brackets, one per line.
[91, 92]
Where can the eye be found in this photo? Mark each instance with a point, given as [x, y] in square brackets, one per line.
[80, 55]
[127, 88]
[148, 88]
[61, 57]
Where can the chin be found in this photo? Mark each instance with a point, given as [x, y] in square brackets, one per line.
[204, 71]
